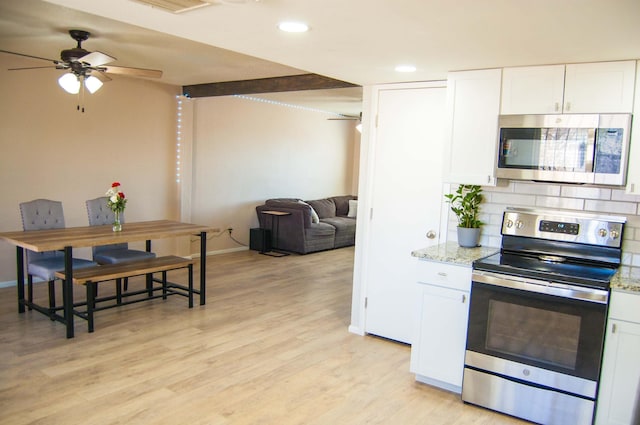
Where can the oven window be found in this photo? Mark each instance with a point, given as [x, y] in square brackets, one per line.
[540, 330]
[542, 335]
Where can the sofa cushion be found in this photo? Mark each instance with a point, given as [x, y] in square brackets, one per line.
[342, 203]
[324, 207]
[314, 214]
[345, 230]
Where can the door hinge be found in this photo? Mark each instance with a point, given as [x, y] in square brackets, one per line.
[371, 214]
[614, 328]
[366, 302]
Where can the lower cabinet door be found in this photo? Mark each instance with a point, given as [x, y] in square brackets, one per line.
[437, 357]
[619, 395]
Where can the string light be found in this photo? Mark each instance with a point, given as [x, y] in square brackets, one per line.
[288, 105]
[178, 136]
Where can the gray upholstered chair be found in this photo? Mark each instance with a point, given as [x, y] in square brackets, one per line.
[100, 214]
[42, 214]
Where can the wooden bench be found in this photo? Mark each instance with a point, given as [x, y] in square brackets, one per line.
[91, 276]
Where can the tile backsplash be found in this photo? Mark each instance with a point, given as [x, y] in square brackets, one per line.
[607, 201]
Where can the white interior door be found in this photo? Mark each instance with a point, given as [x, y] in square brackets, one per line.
[407, 201]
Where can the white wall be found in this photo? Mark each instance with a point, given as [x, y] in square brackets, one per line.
[245, 152]
[50, 150]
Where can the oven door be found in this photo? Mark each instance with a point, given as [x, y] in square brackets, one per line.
[548, 335]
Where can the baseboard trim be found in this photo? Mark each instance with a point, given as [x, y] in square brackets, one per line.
[221, 251]
[356, 330]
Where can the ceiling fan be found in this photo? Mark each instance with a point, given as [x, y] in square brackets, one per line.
[350, 118]
[86, 67]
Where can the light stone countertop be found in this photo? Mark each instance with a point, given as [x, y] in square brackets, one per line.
[451, 252]
[626, 279]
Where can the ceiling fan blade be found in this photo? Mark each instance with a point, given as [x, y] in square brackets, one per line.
[133, 72]
[28, 56]
[32, 67]
[101, 76]
[96, 58]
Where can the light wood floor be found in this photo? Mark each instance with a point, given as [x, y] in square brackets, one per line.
[271, 346]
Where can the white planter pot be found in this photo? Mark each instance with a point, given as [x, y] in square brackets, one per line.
[468, 237]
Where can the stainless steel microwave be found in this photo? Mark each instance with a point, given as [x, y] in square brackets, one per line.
[571, 148]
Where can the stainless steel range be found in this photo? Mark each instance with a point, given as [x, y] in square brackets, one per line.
[537, 316]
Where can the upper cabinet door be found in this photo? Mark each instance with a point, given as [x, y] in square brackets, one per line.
[473, 105]
[603, 87]
[532, 90]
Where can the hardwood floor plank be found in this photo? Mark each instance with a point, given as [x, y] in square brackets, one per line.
[271, 346]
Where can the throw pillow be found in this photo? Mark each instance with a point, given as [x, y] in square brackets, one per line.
[314, 214]
[353, 208]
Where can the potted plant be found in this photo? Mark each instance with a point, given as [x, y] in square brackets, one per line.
[465, 203]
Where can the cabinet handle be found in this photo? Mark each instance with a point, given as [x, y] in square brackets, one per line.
[443, 274]
[557, 106]
[614, 328]
[567, 107]
[464, 298]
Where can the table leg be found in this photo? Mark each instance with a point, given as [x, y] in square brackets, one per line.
[20, 278]
[67, 290]
[203, 267]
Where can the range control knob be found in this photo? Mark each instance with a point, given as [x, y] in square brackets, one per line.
[509, 223]
[602, 232]
[519, 224]
[614, 234]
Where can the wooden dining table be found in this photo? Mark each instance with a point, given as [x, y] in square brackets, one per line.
[66, 239]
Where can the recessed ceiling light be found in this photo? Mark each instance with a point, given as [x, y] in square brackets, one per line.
[293, 26]
[405, 68]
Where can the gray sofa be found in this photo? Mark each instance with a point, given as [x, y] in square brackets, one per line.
[303, 231]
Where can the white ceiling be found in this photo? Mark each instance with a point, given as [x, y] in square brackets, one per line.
[359, 41]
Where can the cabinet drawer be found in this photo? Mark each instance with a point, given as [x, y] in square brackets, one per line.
[624, 306]
[444, 274]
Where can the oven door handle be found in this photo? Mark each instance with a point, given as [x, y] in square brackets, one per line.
[599, 296]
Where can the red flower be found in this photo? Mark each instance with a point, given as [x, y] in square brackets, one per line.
[121, 195]
[115, 184]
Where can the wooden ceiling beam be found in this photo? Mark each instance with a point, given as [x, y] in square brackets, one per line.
[265, 85]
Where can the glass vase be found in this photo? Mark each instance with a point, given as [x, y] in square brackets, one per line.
[117, 224]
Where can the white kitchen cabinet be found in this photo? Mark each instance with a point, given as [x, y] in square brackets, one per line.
[437, 354]
[619, 394]
[633, 173]
[473, 105]
[532, 90]
[602, 87]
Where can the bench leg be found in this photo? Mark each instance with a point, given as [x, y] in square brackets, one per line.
[119, 291]
[164, 285]
[190, 285]
[52, 299]
[91, 304]
[149, 279]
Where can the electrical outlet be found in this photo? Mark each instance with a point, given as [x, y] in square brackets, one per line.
[230, 229]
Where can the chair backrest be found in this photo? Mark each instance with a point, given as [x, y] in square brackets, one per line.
[100, 214]
[42, 214]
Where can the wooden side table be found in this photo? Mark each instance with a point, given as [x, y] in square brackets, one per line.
[275, 226]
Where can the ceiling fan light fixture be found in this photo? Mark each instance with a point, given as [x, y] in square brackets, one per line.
[92, 84]
[70, 83]
[291, 26]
